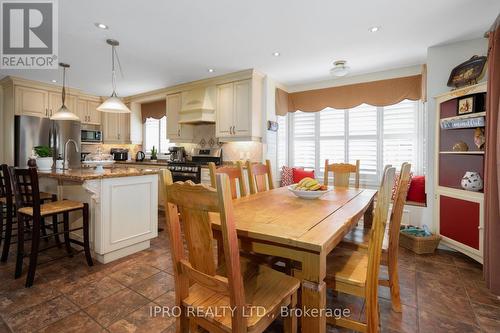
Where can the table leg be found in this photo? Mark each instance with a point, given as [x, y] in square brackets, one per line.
[368, 216]
[313, 297]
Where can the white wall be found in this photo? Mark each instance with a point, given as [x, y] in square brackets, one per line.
[441, 60]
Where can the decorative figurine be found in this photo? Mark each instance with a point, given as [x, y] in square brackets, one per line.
[479, 138]
[460, 146]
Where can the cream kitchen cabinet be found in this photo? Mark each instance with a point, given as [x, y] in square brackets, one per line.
[87, 111]
[55, 103]
[116, 128]
[31, 102]
[177, 132]
[205, 176]
[239, 110]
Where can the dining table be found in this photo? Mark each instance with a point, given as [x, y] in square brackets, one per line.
[278, 223]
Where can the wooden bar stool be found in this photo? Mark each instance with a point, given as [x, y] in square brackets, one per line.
[260, 177]
[205, 288]
[29, 207]
[8, 213]
[342, 173]
[357, 272]
[235, 174]
[358, 238]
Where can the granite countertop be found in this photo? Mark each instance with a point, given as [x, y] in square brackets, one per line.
[81, 175]
[145, 162]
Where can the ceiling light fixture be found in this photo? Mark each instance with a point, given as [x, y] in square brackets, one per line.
[101, 26]
[340, 68]
[374, 29]
[64, 113]
[211, 70]
[276, 54]
[113, 104]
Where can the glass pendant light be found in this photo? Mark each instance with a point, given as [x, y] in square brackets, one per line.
[64, 113]
[113, 104]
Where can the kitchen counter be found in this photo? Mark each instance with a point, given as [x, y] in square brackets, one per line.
[81, 175]
[145, 162]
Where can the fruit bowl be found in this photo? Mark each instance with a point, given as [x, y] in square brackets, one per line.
[308, 188]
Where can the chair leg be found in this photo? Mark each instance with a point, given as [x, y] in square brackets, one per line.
[66, 234]
[43, 229]
[86, 241]
[394, 285]
[290, 322]
[1, 223]
[20, 246]
[35, 241]
[372, 315]
[8, 234]
[55, 230]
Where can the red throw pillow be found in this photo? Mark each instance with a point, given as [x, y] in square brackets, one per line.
[299, 174]
[416, 192]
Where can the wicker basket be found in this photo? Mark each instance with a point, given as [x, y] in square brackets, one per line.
[419, 245]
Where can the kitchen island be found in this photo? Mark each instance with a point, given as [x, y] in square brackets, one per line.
[123, 205]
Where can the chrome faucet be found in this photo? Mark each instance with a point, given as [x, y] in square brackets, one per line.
[66, 160]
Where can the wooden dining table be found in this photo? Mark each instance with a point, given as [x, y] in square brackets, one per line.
[278, 223]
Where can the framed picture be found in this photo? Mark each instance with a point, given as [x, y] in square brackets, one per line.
[468, 72]
[465, 105]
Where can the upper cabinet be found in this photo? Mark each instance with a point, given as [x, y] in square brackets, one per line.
[55, 102]
[175, 131]
[238, 111]
[87, 111]
[31, 102]
[116, 127]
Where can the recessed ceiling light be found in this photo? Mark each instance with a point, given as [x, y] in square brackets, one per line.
[276, 54]
[211, 70]
[101, 26]
[54, 81]
[374, 29]
[340, 68]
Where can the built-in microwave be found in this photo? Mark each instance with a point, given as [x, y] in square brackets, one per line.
[91, 136]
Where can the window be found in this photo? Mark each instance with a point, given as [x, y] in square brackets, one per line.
[282, 144]
[155, 134]
[375, 135]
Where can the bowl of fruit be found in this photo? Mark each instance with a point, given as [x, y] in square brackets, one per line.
[308, 188]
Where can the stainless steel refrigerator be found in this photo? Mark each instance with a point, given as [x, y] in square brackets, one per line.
[35, 131]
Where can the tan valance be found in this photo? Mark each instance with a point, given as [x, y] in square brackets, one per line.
[377, 93]
[156, 110]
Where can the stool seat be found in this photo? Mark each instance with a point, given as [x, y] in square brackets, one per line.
[54, 207]
[43, 196]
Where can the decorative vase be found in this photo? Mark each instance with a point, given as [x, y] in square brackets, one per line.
[472, 181]
[460, 146]
[44, 163]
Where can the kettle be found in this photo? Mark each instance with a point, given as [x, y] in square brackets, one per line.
[140, 156]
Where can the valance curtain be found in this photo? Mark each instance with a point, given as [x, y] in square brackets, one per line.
[492, 165]
[156, 110]
[377, 93]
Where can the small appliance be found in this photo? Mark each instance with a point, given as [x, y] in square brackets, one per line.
[177, 154]
[119, 154]
[140, 156]
[91, 136]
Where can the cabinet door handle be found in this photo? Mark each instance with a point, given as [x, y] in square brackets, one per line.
[179, 132]
[46, 112]
[118, 136]
[234, 131]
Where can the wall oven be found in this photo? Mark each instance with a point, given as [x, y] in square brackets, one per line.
[91, 136]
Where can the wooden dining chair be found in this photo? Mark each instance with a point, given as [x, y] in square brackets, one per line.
[200, 285]
[358, 238]
[357, 272]
[260, 177]
[342, 173]
[235, 174]
[30, 208]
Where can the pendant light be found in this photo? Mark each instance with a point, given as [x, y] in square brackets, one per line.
[113, 104]
[64, 113]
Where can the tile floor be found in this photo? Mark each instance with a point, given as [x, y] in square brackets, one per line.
[443, 292]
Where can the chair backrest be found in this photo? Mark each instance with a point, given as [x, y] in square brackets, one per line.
[191, 204]
[397, 210]
[377, 233]
[25, 187]
[235, 174]
[260, 177]
[342, 173]
[5, 186]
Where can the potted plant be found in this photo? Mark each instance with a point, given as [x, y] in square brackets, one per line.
[154, 154]
[44, 159]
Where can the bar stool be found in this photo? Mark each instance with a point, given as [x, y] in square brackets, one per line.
[8, 213]
[29, 207]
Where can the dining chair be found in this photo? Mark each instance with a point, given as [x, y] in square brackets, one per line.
[342, 173]
[8, 213]
[357, 272]
[260, 177]
[358, 238]
[201, 286]
[235, 174]
[29, 207]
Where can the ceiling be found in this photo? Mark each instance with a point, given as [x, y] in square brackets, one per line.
[168, 42]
